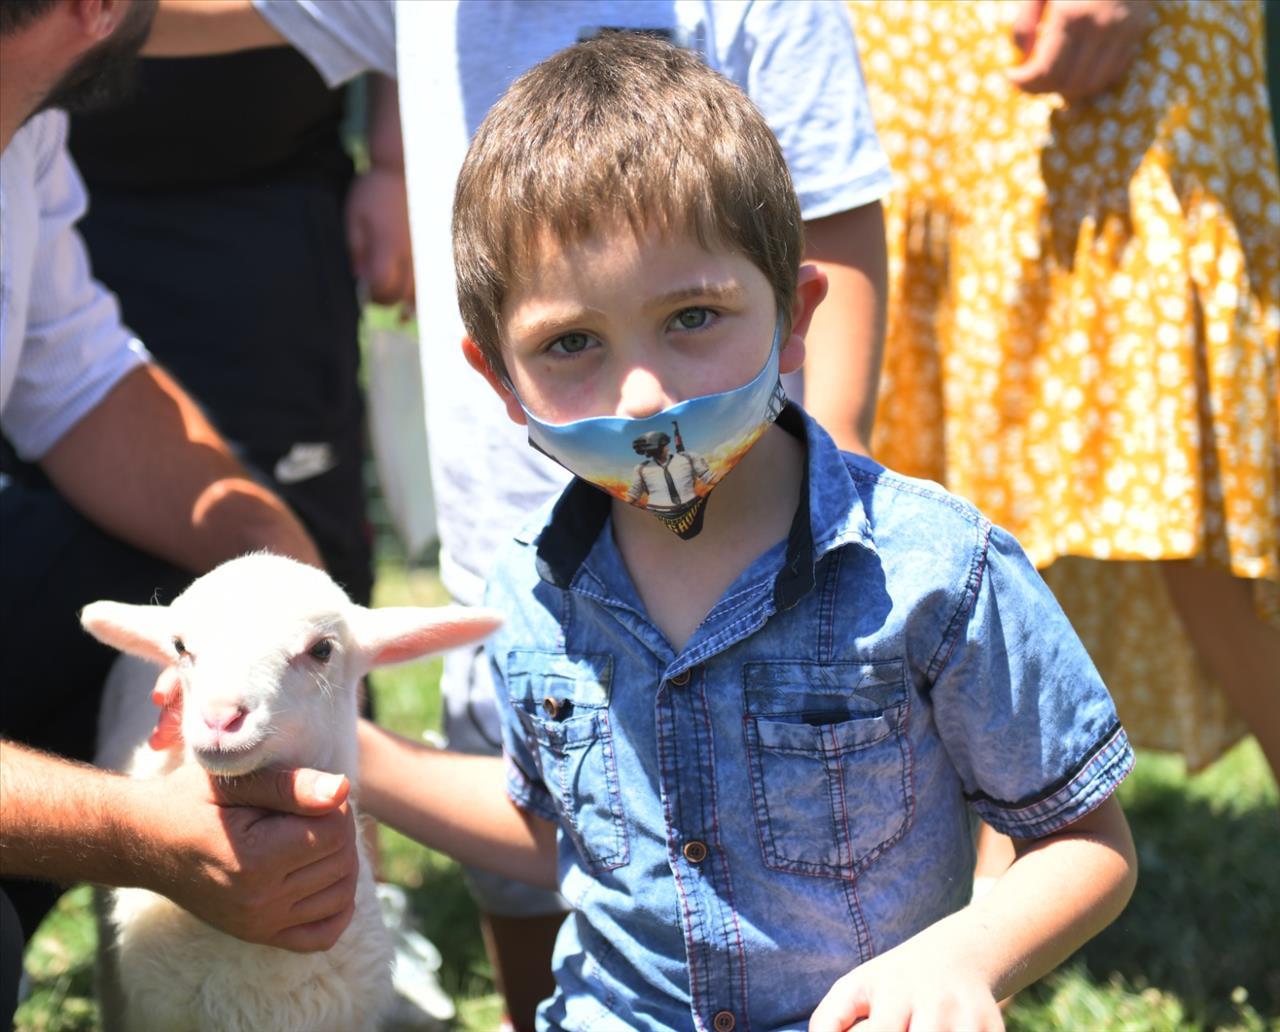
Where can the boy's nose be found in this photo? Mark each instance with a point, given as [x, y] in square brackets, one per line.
[642, 394]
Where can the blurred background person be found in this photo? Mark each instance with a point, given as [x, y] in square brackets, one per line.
[1084, 320]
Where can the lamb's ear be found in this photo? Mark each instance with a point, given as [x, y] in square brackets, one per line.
[400, 633]
[139, 630]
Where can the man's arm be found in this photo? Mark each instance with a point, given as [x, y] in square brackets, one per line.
[220, 849]
[1062, 890]
[377, 214]
[146, 466]
[845, 343]
[454, 803]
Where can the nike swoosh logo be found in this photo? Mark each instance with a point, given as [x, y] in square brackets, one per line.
[305, 461]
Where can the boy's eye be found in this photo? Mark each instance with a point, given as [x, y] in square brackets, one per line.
[571, 343]
[692, 318]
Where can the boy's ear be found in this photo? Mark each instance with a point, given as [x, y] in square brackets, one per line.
[811, 288]
[476, 359]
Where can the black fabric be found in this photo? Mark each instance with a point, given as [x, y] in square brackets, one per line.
[796, 578]
[217, 218]
[246, 295]
[259, 116]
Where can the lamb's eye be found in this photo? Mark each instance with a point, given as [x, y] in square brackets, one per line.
[178, 647]
[321, 650]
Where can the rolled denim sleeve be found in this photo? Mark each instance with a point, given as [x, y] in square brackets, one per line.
[1025, 718]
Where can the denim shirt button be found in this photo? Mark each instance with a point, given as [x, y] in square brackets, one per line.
[695, 851]
[724, 1021]
[680, 679]
[551, 707]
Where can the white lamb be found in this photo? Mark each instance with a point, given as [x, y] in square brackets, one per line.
[269, 652]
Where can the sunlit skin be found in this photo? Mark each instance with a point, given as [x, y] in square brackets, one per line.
[622, 326]
[627, 324]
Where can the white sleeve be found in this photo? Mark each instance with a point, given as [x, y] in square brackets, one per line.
[799, 63]
[342, 38]
[74, 349]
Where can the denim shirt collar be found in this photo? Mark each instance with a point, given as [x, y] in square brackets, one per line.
[830, 514]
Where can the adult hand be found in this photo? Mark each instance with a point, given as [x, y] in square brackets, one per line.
[1078, 48]
[269, 858]
[378, 236]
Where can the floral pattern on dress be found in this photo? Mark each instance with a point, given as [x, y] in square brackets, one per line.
[1084, 321]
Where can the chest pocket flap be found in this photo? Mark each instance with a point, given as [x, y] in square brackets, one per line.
[830, 777]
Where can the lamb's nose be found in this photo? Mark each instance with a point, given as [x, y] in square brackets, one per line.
[228, 718]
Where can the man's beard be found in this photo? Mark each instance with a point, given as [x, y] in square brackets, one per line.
[104, 74]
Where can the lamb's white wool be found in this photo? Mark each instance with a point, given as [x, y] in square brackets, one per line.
[270, 653]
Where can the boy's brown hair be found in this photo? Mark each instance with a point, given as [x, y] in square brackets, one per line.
[623, 126]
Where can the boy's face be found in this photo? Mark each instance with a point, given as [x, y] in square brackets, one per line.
[626, 325]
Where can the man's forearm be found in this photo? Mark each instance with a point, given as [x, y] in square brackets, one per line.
[147, 467]
[845, 342]
[454, 803]
[62, 821]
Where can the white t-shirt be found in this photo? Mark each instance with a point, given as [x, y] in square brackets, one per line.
[796, 59]
[62, 347]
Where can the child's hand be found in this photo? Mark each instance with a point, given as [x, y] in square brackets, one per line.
[908, 988]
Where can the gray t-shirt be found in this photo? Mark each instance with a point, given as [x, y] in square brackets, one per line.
[797, 61]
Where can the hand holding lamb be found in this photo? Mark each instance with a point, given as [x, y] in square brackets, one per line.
[269, 654]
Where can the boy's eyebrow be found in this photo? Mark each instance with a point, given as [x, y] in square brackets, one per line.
[557, 320]
[730, 291]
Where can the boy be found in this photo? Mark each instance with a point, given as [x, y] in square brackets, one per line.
[740, 743]
[796, 59]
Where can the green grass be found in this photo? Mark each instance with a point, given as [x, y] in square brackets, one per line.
[1197, 949]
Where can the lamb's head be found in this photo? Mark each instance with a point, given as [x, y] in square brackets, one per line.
[270, 652]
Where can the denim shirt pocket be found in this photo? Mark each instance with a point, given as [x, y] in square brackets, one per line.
[829, 758]
[562, 703]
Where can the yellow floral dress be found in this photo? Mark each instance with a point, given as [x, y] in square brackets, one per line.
[1085, 317]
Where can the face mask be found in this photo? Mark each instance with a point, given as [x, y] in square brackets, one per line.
[668, 463]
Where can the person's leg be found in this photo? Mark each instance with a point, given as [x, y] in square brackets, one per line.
[1236, 647]
[518, 922]
[520, 950]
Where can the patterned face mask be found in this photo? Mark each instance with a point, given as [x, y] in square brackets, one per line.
[668, 463]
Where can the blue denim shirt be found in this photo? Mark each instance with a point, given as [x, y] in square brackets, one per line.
[745, 821]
